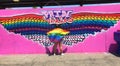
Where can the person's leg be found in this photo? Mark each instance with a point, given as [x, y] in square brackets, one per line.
[54, 48]
[60, 47]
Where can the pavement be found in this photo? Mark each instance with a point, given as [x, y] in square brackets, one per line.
[76, 59]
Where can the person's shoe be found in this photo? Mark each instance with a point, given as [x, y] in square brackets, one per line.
[61, 54]
[54, 54]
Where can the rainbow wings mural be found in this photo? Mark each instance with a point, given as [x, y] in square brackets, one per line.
[35, 28]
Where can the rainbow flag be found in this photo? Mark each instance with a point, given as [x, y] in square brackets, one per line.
[57, 34]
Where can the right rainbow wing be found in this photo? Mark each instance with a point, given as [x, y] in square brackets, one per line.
[85, 24]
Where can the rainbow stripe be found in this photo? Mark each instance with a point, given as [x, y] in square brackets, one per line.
[26, 24]
[90, 22]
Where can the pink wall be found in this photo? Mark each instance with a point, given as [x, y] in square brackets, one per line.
[113, 8]
[11, 43]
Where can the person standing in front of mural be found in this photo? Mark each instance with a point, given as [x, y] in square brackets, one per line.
[56, 35]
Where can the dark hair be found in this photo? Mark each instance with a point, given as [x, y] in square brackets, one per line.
[58, 25]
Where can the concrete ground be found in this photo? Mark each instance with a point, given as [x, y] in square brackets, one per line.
[84, 59]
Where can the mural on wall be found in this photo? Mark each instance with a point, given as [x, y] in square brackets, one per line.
[80, 25]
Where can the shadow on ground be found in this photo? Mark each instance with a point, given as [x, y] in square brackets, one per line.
[114, 49]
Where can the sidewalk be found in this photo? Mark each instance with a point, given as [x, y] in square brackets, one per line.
[98, 59]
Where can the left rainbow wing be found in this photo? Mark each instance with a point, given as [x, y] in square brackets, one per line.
[30, 25]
